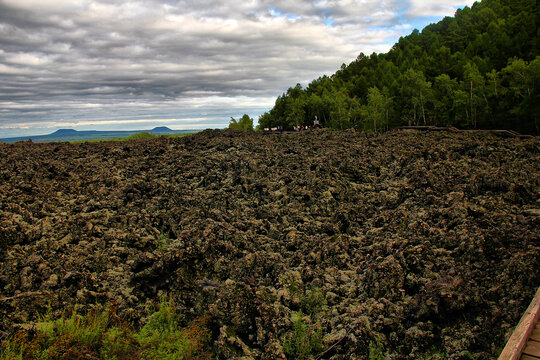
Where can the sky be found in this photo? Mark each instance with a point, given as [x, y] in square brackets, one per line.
[130, 65]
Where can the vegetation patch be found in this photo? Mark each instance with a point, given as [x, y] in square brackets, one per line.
[305, 339]
[142, 136]
[103, 335]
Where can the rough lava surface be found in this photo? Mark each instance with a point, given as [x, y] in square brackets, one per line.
[415, 243]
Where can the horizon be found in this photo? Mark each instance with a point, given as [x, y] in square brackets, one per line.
[91, 65]
[70, 130]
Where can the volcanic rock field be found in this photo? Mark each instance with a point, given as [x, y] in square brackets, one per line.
[409, 245]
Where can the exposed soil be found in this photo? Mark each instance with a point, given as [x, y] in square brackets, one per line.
[425, 243]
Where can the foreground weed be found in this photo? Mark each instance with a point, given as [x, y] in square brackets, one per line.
[305, 339]
[12, 351]
[376, 349]
[313, 301]
[102, 335]
[163, 242]
[164, 338]
[436, 354]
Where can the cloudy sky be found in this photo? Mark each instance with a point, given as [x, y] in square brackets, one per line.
[186, 64]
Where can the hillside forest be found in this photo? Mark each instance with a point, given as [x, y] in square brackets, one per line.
[477, 70]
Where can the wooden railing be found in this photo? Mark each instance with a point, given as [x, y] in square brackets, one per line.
[525, 340]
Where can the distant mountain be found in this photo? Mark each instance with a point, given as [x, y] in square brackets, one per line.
[61, 135]
[64, 132]
[160, 129]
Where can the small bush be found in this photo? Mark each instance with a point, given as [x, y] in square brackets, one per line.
[162, 242]
[162, 336]
[12, 351]
[313, 301]
[436, 354]
[376, 349]
[305, 339]
[117, 343]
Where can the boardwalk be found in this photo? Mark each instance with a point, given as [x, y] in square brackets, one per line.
[524, 343]
[532, 349]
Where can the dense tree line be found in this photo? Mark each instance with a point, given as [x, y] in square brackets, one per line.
[478, 69]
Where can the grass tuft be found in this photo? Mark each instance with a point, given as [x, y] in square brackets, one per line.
[103, 335]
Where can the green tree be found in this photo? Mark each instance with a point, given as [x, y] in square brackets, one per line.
[523, 79]
[474, 84]
[296, 104]
[376, 111]
[337, 101]
[461, 106]
[245, 123]
[317, 107]
[341, 108]
[493, 84]
[418, 90]
[444, 99]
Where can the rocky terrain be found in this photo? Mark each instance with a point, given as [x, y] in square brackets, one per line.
[329, 245]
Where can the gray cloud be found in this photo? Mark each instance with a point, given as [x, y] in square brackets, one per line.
[89, 63]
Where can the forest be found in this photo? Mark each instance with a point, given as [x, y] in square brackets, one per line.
[477, 70]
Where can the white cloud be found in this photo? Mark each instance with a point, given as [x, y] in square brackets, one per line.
[436, 8]
[29, 59]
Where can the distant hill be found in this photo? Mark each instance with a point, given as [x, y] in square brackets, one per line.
[64, 132]
[478, 69]
[62, 135]
[160, 129]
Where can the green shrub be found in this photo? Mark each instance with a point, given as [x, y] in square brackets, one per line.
[161, 337]
[116, 344]
[435, 354]
[313, 301]
[163, 242]
[12, 351]
[376, 349]
[305, 339]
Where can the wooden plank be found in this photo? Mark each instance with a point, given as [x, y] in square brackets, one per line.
[535, 334]
[517, 342]
[527, 357]
[532, 348]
